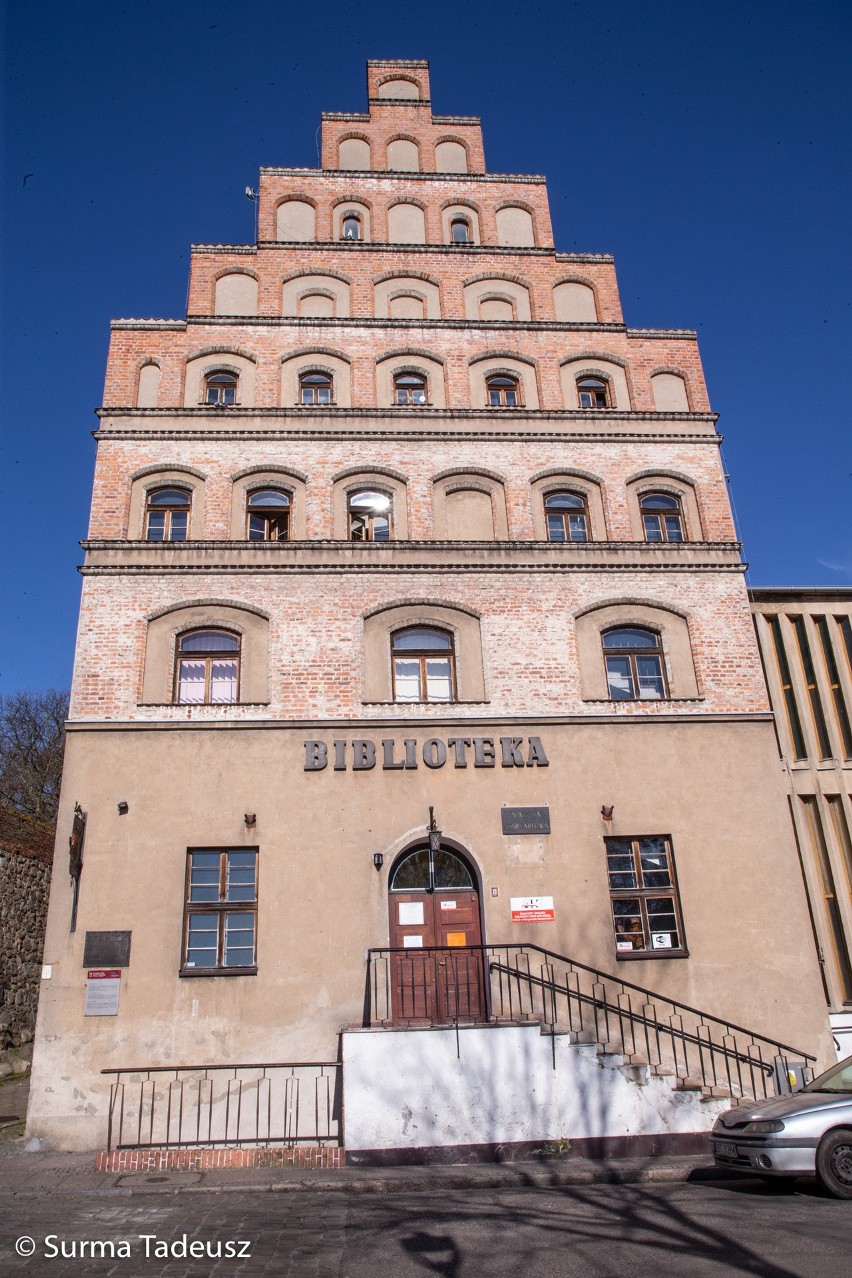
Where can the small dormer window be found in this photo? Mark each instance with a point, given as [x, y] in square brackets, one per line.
[460, 230]
[592, 392]
[502, 392]
[662, 517]
[220, 389]
[409, 388]
[315, 388]
[351, 227]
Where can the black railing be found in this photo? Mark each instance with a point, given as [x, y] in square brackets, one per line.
[166, 1107]
[523, 983]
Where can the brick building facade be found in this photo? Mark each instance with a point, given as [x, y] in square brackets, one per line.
[403, 516]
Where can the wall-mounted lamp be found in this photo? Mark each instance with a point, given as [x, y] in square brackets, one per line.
[606, 812]
[378, 860]
[250, 819]
[123, 808]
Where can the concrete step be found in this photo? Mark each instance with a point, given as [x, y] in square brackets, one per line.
[689, 1085]
[716, 1093]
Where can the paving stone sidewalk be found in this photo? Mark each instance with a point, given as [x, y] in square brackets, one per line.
[24, 1173]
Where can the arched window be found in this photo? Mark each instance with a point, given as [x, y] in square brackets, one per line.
[207, 668]
[409, 388]
[167, 514]
[460, 230]
[268, 515]
[567, 517]
[592, 392]
[423, 665]
[634, 665]
[316, 388]
[662, 517]
[502, 392]
[425, 871]
[220, 389]
[351, 227]
[369, 516]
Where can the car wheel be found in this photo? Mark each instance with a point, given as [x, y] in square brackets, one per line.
[834, 1163]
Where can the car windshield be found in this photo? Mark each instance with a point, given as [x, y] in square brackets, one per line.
[838, 1079]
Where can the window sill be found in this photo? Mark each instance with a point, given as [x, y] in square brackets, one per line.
[437, 705]
[636, 955]
[198, 705]
[641, 701]
[218, 971]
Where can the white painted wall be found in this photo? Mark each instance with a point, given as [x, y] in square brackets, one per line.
[408, 1088]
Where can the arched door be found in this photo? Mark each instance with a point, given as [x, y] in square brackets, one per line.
[436, 973]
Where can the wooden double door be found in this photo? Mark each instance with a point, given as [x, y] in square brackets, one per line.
[437, 977]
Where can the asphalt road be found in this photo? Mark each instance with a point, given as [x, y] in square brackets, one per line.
[622, 1231]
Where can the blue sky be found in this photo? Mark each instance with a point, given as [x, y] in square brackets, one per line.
[704, 143]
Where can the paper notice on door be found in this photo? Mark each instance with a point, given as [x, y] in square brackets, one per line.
[411, 913]
[457, 938]
[412, 942]
[448, 905]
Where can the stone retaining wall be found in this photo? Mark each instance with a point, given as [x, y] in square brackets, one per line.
[26, 856]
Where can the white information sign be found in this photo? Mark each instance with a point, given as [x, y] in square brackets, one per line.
[412, 942]
[661, 940]
[448, 905]
[532, 909]
[103, 986]
[411, 913]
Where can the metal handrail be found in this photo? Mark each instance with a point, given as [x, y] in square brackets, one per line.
[279, 1103]
[625, 1017]
[600, 975]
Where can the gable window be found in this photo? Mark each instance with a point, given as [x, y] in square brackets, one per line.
[502, 392]
[634, 665]
[567, 517]
[268, 515]
[592, 392]
[662, 517]
[646, 914]
[207, 668]
[423, 665]
[369, 516]
[460, 230]
[220, 389]
[167, 514]
[315, 388]
[220, 914]
[351, 227]
[409, 388]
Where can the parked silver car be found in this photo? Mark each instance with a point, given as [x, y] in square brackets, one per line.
[808, 1133]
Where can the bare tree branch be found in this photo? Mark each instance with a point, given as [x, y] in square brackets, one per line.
[32, 740]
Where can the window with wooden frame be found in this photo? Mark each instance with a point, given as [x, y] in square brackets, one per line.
[592, 392]
[646, 914]
[207, 668]
[502, 391]
[566, 517]
[316, 388]
[167, 514]
[460, 231]
[634, 664]
[220, 914]
[410, 389]
[268, 515]
[662, 517]
[369, 515]
[220, 389]
[351, 227]
[423, 662]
